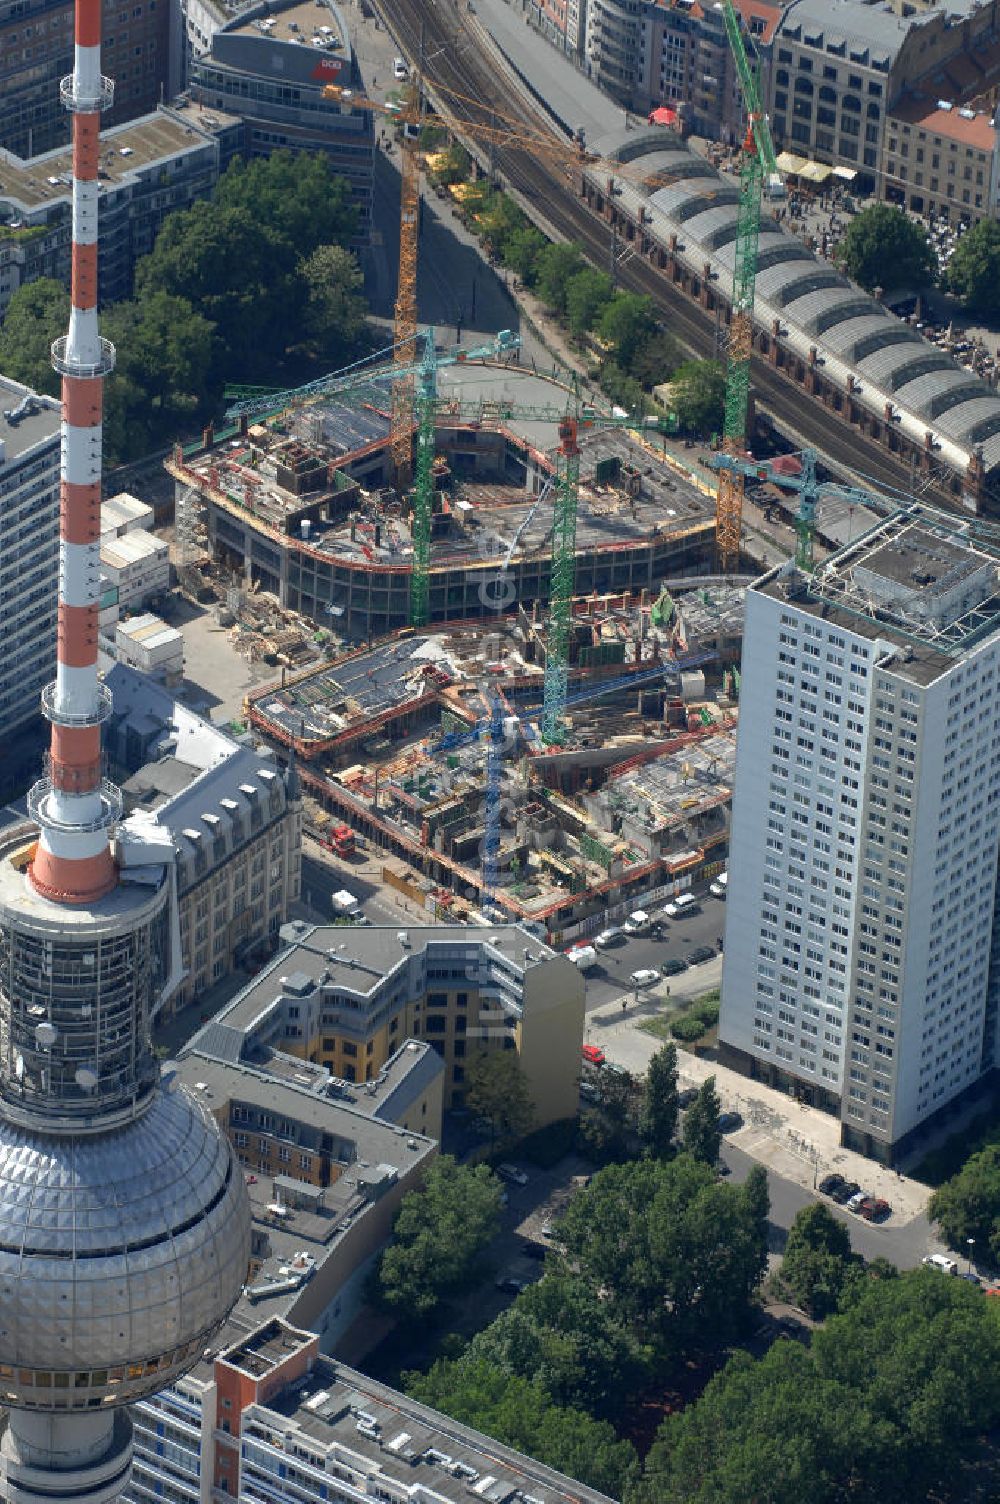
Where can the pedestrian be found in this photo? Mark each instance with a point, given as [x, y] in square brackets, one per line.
[624, 1005]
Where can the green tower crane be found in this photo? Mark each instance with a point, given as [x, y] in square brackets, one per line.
[373, 374]
[757, 162]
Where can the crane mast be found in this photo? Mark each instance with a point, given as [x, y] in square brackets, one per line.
[756, 161]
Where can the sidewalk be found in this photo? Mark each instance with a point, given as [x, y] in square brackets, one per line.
[800, 1143]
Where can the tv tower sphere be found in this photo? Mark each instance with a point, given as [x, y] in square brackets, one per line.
[124, 1219]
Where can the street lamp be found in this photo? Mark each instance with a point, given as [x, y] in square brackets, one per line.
[972, 1243]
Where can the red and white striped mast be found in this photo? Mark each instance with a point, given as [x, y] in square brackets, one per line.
[74, 806]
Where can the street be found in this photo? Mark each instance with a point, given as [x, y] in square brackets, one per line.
[610, 980]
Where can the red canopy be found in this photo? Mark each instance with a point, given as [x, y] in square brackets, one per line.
[663, 115]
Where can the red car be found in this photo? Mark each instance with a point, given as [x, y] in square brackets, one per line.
[874, 1209]
[593, 1054]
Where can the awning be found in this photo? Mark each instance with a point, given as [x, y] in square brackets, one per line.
[789, 162]
[815, 172]
[848, 174]
[663, 115]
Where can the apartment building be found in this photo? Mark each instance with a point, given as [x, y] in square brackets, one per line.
[345, 998]
[269, 66]
[862, 954]
[230, 814]
[677, 54]
[36, 51]
[940, 159]
[29, 552]
[269, 1417]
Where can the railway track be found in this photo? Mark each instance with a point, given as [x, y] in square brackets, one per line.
[437, 25]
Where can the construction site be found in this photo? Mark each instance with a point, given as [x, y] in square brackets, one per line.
[421, 741]
[301, 508]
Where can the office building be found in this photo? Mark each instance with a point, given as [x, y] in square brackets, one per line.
[126, 1225]
[268, 66]
[231, 814]
[162, 162]
[862, 956]
[29, 551]
[277, 1420]
[36, 51]
[345, 998]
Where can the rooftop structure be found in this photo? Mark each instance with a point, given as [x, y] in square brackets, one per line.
[348, 1435]
[813, 322]
[899, 632]
[118, 1273]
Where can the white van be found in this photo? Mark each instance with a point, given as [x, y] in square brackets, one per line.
[584, 957]
[939, 1261]
[721, 885]
[637, 923]
[685, 904]
[400, 72]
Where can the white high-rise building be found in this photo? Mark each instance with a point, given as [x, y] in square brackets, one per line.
[862, 954]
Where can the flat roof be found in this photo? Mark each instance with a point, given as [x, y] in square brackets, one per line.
[296, 24]
[919, 582]
[358, 958]
[40, 418]
[34, 181]
[371, 1429]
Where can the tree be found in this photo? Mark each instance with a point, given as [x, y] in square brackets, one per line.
[495, 1089]
[968, 1205]
[586, 294]
[294, 196]
[560, 1333]
[236, 273]
[626, 323]
[884, 248]
[757, 1203]
[656, 359]
[37, 313]
[816, 1260]
[520, 1413]
[659, 1112]
[698, 396]
[762, 1431]
[674, 1253]
[973, 272]
[556, 265]
[521, 253]
[887, 1406]
[701, 1135]
[162, 378]
[439, 1233]
[454, 165]
[335, 308]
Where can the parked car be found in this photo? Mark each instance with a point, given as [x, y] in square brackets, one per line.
[644, 977]
[400, 72]
[729, 1122]
[637, 923]
[610, 1069]
[686, 1097]
[593, 1054]
[844, 1192]
[607, 938]
[857, 1201]
[700, 954]
[831, 1183]
[685, 904]
[877, 1209]
[673, 966]
[512, 1174]
[718, 888]
[357, 916]
[941, 1262]
[589, 1092]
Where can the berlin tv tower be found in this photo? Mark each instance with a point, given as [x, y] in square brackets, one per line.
[124, 1221]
